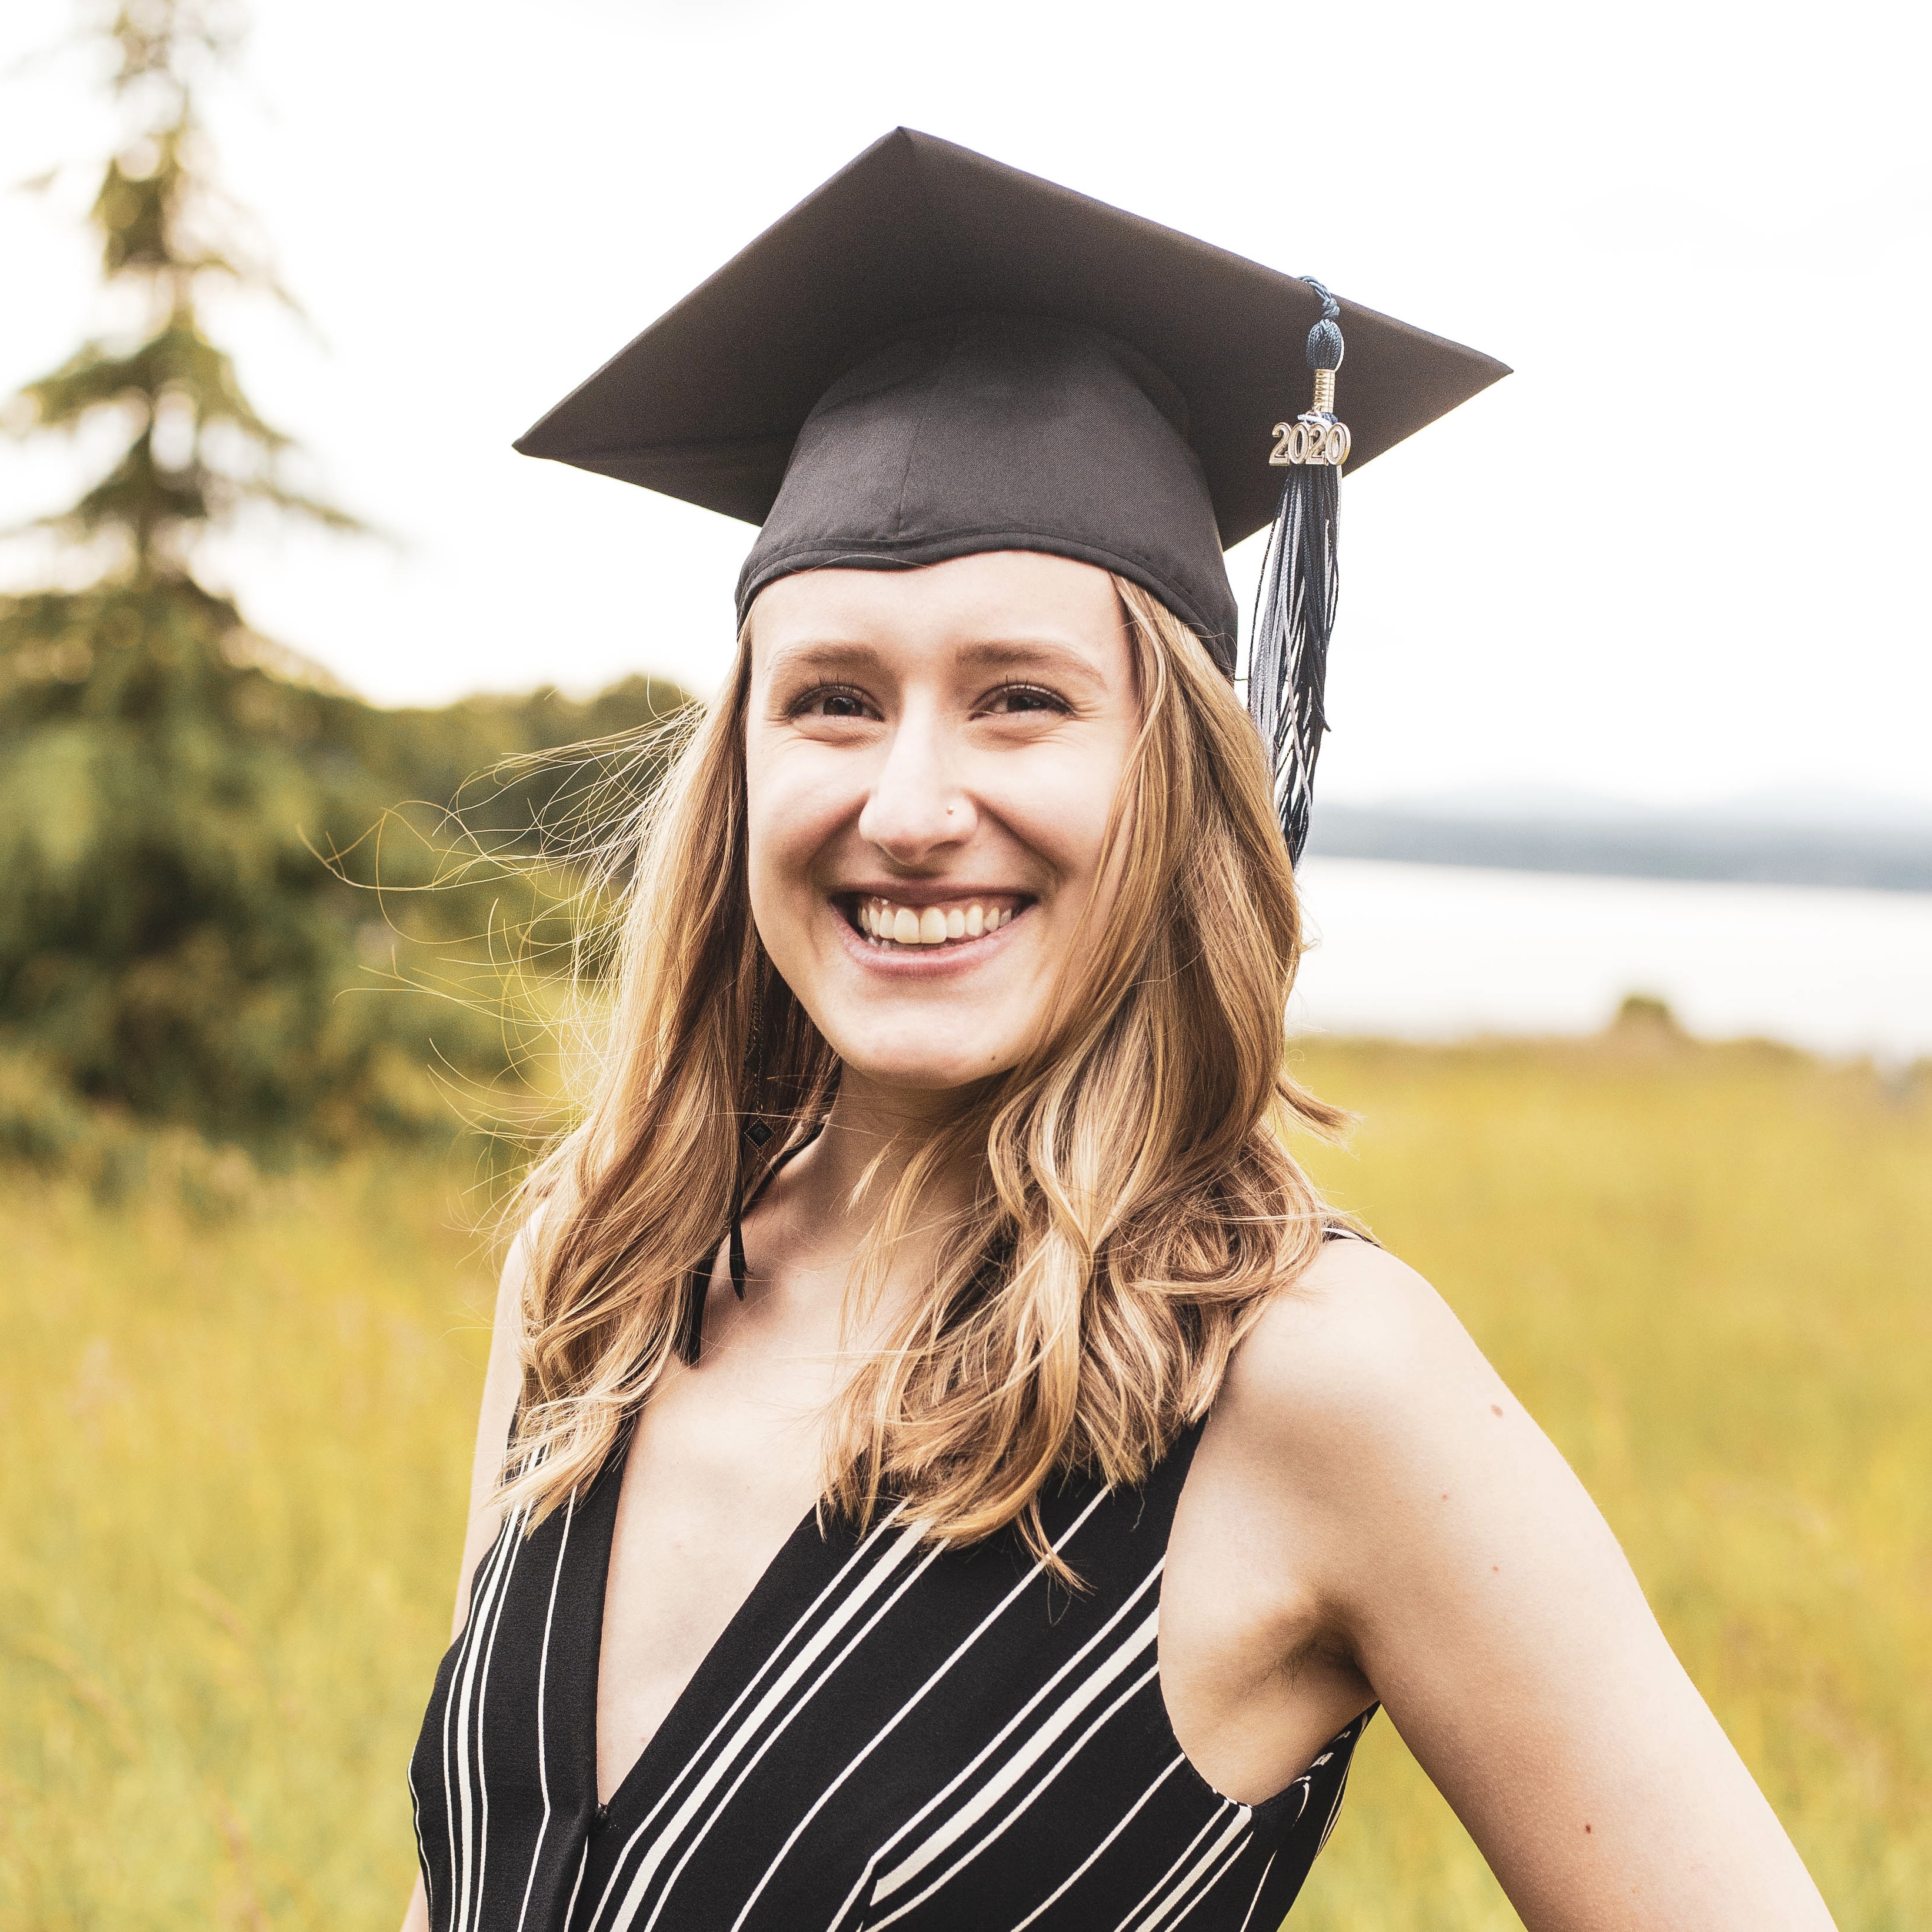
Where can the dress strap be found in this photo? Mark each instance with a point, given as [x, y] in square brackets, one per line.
[690, 1329]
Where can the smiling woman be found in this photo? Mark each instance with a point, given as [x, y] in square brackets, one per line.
[969, 738]
[958, 1473]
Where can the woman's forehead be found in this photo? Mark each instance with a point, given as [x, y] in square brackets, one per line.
[998, 609]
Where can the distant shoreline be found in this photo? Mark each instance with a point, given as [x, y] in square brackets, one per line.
[1683, 847]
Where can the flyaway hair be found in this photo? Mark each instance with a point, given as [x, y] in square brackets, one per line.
[1294, 612]
[1138, 1203]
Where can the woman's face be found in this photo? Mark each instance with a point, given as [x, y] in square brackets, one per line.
[931, 756]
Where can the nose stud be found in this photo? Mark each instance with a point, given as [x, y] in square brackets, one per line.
[949, 810]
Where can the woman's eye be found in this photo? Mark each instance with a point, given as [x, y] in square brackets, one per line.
[830, 701]
[1011, 699]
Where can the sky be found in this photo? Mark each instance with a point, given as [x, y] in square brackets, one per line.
[1678, 555]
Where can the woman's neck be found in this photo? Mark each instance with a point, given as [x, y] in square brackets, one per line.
[824, 1202]
[871, 1136]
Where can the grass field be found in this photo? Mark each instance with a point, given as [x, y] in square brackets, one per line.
[235, 1456]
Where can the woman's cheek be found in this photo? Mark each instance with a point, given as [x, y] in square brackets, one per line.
[793, 817]
[1066, 825]
[773, 844]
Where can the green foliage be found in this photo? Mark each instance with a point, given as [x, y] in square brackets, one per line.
[186, 811]
[167, 937]
[171, 939]
[196, 451]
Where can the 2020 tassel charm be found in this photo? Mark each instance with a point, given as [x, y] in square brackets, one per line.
[1294, 613]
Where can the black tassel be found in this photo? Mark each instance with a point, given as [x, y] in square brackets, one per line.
[1294, 612]
[691, 1317]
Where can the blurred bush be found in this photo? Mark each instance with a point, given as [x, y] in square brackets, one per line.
[201, 851]
[217, 910]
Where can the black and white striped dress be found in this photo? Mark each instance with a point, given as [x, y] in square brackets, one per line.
[888, 1733]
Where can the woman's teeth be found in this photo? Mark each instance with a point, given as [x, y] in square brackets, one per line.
[881, 920]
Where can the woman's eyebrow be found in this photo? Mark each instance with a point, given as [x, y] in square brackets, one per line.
[988, 654]
[829, 654]
[1029, 654]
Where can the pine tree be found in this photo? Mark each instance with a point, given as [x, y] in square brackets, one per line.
[173, 947]
[158, 214]
[169, 944]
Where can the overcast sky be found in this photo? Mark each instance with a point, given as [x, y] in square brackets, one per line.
[1680, 554]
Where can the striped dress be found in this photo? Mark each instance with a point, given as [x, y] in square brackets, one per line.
[888, 1732]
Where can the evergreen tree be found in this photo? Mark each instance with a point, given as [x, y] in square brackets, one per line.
[171, 945]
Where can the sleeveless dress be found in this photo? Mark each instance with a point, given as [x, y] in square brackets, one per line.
[888, 1732]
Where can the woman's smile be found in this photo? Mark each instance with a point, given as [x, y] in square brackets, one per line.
[925, 927]
[904, 918]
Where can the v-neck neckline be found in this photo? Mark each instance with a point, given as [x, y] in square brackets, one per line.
[729, 1641]
[750, 1608]
[698, 1289]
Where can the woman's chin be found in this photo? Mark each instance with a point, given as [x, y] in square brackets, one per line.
[925, 1067]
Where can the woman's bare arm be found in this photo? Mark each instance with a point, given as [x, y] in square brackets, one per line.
[416, 1919]
[501, 1381]
[1486, 1601]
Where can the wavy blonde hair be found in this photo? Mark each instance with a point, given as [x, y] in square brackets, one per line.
[1137, 1204]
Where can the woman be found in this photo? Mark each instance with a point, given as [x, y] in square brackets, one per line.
[959, 1473]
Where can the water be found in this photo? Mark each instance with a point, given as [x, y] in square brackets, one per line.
[1434, 952]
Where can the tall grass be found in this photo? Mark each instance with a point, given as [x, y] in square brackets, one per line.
[230, 1510]
[235, 1452]
[1708, 1272]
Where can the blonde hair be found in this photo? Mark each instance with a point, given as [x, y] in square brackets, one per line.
[1136, 1205]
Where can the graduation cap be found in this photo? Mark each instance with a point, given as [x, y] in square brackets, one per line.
[934, 355]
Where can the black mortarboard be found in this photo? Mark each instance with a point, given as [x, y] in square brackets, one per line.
[933, 354]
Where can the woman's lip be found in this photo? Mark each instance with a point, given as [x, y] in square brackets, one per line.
[952, 921]
[924, 961]
[934, 892]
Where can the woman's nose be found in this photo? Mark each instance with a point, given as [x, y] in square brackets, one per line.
[915, 808]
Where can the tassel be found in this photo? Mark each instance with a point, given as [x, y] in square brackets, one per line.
[691, 1317]
[1294, 612]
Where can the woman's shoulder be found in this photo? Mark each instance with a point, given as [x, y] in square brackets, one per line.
[1382, 1477]
[1358, 1377]
[1357, 1324]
